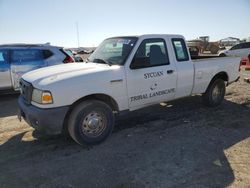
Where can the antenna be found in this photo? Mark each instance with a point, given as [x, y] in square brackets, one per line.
[77, 34]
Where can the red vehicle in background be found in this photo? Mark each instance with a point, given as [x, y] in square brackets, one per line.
[245, 62]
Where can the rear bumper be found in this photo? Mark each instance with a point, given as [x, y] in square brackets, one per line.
[49, 121]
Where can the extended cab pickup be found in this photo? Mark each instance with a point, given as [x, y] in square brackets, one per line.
[123, 74]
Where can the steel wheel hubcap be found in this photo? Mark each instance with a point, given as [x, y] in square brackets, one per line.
[94, 124]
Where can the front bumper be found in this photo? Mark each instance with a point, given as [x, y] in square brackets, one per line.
[49, 120]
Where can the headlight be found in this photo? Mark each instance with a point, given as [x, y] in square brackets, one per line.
[42, 97]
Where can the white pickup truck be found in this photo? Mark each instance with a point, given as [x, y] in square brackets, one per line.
[123, 74]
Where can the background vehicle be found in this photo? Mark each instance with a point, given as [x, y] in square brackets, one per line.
[85, 51]
[77, 58]
[245, 62]
[17, 59]
[241, 50]
[202, 44]
[123, 74]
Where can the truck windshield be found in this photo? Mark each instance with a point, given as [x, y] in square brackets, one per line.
[113, 51]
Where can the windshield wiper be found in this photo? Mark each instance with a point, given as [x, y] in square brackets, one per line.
[102, 61]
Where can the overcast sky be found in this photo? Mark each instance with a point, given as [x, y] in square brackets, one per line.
[41, 21]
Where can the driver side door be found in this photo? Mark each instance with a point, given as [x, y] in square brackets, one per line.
[151, 77]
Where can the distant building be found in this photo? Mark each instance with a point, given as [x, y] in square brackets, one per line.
[230, 41]
[248, 39]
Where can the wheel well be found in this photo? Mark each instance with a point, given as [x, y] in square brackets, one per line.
[221, 75]
[101, 97]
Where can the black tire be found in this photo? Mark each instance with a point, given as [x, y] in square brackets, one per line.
[222, 55]
[215, 93]
[91, 122]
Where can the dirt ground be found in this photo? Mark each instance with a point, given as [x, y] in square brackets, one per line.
[182, 144]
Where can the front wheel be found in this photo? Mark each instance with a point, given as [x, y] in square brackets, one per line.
[215, 93]
[91, 122]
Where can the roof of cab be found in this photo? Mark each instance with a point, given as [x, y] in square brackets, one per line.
[150, 36]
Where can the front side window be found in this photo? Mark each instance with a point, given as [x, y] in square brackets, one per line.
[26, 55]
[151, 52]
[180, 49]
[246, 45]
[236, 47]
[3, 56]
[113, 51]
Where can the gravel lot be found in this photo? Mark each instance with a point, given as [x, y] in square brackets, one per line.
[182, 144]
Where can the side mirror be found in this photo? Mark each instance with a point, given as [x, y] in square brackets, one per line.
[135, 64]
[140, 62]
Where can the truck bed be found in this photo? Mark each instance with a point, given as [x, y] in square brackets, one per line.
[204, 57]
[206, 68]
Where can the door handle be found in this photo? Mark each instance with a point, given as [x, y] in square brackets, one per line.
[170, 71]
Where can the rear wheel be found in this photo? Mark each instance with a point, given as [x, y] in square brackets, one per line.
[91, 122]
[215, 93]
[222, 55]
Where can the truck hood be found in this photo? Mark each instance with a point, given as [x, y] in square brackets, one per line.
[48, 75]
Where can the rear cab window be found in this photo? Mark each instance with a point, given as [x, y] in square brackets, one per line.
[180, 49]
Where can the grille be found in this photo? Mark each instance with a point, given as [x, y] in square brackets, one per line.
[26, 91]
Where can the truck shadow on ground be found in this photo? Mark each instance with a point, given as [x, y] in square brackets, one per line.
[182, 145]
